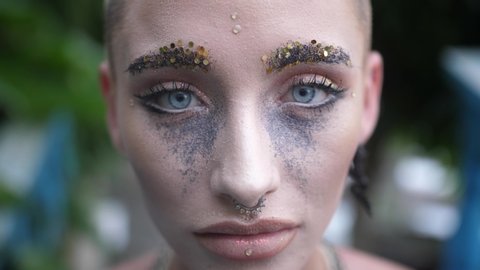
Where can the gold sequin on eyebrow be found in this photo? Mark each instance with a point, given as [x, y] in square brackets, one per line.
[173, 55]
[294, 52]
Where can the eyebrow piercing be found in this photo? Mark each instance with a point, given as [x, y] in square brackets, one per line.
[249, 212]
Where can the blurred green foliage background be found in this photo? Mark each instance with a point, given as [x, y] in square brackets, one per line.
[50, 50]
[49, 53]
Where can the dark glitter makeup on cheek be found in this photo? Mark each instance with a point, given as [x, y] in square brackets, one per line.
[294, 53]
[293, 139]
[293, 126]
[174, 55]
[191, 141]
[289, 133]
[188, 133]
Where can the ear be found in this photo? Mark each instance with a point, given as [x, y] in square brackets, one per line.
[109, 95]
[373, 82]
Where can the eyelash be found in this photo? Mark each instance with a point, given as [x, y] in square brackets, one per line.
[160, 88]
[334, 92]
[148, 96]
[322, 83]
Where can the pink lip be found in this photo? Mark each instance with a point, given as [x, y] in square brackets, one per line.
[237, 241]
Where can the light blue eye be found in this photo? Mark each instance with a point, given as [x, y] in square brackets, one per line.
[179, 99]
[303, 93]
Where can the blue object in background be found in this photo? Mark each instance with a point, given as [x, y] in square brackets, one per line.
[462, 67]
[41, 221]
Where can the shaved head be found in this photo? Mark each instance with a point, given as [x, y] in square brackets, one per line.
[114, 12]
[364, 11]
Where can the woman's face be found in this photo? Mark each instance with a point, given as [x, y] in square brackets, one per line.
[241, 122]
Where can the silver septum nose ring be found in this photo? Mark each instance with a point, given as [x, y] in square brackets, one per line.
[250, 212]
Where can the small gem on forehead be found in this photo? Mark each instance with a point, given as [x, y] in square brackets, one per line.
[294, 52]
[173, 55]
[236, 29]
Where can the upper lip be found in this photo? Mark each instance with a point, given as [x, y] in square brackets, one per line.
[235, 228]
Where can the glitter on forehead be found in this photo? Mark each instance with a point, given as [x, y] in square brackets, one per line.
[294, 52]
[173, 55]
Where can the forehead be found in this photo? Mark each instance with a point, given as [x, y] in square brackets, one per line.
[264, 25]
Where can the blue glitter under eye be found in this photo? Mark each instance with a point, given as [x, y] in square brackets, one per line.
[179, 99]
[303, 93]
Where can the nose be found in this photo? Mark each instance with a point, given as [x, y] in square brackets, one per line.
[245, 169]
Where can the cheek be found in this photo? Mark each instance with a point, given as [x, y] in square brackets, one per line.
[169, 157]
[150, 157]
[317, 142]
[317, 150]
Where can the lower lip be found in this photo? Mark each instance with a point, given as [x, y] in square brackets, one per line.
[247, 247]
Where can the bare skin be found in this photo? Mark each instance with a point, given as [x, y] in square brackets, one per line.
[351, 259]
[200, 139]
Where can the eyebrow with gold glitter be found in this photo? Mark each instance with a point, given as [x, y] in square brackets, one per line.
[176, 55]
[294, 52]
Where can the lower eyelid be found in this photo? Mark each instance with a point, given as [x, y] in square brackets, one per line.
[310, 112]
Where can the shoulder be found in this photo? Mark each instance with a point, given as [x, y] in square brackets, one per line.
[354, 259]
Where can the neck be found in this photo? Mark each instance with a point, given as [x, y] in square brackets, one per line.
[318, 260]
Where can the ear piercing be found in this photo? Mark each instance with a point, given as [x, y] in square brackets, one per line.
[250, 212]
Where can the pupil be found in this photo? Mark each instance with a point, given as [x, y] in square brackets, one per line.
[179, 100]
[303, 94]
[180, 97]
